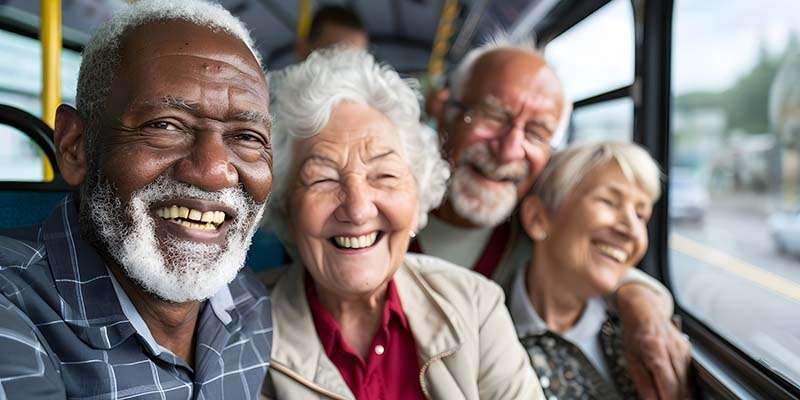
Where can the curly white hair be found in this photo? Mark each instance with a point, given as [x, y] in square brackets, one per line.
[304, 97]
[101, 56]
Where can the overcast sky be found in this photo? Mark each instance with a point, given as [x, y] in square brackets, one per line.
[714, 43]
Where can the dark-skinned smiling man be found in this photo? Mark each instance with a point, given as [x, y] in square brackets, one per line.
[132, 287]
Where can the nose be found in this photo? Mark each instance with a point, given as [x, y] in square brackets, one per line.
[627, 221]
[208, 165]
[509, 147]
[358, 204]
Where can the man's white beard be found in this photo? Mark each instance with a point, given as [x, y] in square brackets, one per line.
[476, 203]
[175, 270]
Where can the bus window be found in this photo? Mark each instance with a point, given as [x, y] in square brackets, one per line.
[607, 120]
[734, 173]
[597, 54]
[597, 74]
[20, 86]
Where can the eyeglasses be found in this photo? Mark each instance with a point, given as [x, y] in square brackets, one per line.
[492, 121]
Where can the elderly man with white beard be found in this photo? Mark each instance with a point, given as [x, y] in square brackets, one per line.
[132, 287]
[504, 111]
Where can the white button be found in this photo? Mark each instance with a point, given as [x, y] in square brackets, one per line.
[545, 381]
[379, 350]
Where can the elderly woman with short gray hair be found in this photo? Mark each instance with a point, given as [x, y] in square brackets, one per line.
[587, 216]
[356, 316]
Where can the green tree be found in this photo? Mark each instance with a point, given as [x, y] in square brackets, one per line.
[745, 102]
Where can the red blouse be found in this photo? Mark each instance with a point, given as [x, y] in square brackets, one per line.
[391, 371]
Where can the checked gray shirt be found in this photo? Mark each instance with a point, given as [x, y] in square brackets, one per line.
[66, 331]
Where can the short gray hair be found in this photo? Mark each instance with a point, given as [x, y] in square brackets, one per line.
[569, 167]
[304, 97]
[501, 40]
[101, 56]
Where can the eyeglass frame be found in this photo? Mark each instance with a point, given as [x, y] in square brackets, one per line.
[506, 126]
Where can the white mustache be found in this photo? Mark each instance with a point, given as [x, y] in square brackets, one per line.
[479, 157]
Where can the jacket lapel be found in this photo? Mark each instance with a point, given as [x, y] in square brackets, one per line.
[295, 342]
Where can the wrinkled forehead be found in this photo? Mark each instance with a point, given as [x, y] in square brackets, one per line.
[514, 79]
[175, 38]
[353, 130]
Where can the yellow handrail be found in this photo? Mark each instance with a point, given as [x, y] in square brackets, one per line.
[303, 18]
[441, 42]
[50, 37]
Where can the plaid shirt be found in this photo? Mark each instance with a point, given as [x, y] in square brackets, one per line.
[66, 331]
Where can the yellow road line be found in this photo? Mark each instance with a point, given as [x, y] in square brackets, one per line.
[734, 265]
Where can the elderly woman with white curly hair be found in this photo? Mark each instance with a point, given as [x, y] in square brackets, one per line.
[356, 316]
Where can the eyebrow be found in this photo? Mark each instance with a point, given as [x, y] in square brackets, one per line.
[382, 155]
[319, 159]
[254, 116]
[181, 104]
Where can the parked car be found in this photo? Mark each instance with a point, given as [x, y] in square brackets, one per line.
[688, 196]
[784, 227]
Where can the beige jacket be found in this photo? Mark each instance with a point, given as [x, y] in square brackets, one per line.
[466, 342]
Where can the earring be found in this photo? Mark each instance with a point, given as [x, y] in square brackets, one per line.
[467, 119]
[412, 234]
[539, 236]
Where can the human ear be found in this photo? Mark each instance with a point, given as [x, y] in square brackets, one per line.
[534, 218]
[70, 139]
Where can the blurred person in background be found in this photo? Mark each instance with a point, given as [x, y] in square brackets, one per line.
[503, 112]
[333, 26]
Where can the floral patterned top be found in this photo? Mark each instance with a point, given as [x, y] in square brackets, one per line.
[586, 362]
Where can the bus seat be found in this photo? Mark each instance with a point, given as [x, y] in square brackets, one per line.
[266, 251]
[27, 203]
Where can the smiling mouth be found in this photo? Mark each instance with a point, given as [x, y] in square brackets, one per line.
[192, 218]
[613, 252]
[356, 242]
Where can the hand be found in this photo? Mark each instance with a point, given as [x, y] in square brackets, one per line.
[658, 354]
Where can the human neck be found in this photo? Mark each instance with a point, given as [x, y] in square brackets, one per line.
[447, 214]
[558, 303]
[359, 317]
[172, 324]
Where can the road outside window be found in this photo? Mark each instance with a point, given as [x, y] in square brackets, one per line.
[734, 191]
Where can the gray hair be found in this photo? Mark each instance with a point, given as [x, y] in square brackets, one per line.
[101, 56]
[501, 40]
[569, 167]
[305, 95]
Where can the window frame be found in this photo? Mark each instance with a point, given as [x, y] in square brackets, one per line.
[720, 367]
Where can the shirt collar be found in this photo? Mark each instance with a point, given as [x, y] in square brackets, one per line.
[527, 322]
[328, 329]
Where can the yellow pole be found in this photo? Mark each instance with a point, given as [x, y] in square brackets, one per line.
[303, 18]
[442, 40]
[50, 36]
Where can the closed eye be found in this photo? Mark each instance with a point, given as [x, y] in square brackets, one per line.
[324, 180]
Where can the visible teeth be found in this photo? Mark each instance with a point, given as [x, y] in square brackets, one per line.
[356, 242]
[208, 216]
[195, 215]
[199, 219]
[613, 252]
